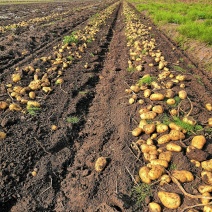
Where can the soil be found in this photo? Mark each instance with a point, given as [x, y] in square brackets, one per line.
[64, 159]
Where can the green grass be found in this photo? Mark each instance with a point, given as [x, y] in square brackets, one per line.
[193, 20]
[178, 68]
[73, 119]
[33, 110]
[69, 39]
[146, 80]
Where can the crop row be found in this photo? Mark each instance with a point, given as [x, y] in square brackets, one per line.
[165, 125]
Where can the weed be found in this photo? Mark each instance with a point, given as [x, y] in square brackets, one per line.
[140, 192]
[178, 68]
[83, 92]
[70, 38]
[69, 58]
[73, 119]
[199, 80]
[146, 80]
[131, 69]
[172, 166]
[33, 110]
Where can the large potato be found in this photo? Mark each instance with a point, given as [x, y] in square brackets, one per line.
[148, 115]
[161, 128]
[157, 97]
[198, 141]
[160, 162]
[166, 156]
[143, 174]
[149, 128]
[164, 139]
[169, 200]
[183, 175]
[176, 135]
[156, 172]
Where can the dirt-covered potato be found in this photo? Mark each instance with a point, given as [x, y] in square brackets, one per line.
[157, 97]
[204, 200]
[135, 88]
[2, 135]
[176, 135]
[3, 105]
[170, 101]
[147, 93]
[165, 179]
[100, 164]
[165, 156]
[210, 122]
[208, 106]
[148, 115]
[174, 126]
[154, 207]
[158, 109]
[164, 139]
[160, 162]
[143, 174]
[207, 208]
[173, 147]
[207, 165]
[147, 148]
[183, 175]
[14, 107]
[156, 172]
[169, 200]
[205, 188]
[161, 128]
[142, 123]
[207, 177]
[198, 141]
[137, 131]
[149, 128]
[182, 94]
[169, 93]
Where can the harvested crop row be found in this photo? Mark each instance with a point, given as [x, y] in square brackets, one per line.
[166, 129]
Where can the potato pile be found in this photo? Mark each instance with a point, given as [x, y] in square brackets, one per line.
[46, 72]
[159, 96]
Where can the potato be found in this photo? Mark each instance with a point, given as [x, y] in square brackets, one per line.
[165, 156]
[128, 91]
[147, 93]
[158, 109]
[160, 162]
[189, 120]
[154, 136]
[157, 97]
[2, 135]
[154, 207]
[137, 131]
[176, 135]
[181, 77]
[207, 165]
[182, 94]
[210, 122]
[173, 126]
[32, 104]
[147, 148]
[143, 174]
[205, 201]
[32, 95]
[165, 179]
[169, 84]
[149, 128]
[183, 176]
[3, 105]
[173, 147]
[135, 88]
[198, 141]
[100, 164]
[14, 107]
[207, 177]
[170, 101]
[16, 77]
[143, 110]
[142, 123]
[47, 89]
[131, 100]
[208, 106]
[205, 188]
[164, 139]
[141, 101]
[35, 85]
[149, 157]
[148, 115]
[173, 112]
[207, 208]
[156, 172]
[169, 93]
[17, 89]
[169, 200]
[196, 163]
[54, 127]
[161, 128]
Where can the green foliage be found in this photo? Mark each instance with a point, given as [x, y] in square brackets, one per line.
[70, 58]
[73, 119]
[172, 166]
[131, 69]
[33, 110]
[141, 191]
[146, 80]
[178, 68]
[70, 38]
[165, 119]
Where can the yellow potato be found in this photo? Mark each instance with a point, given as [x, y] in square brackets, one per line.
[207, 165]
[173, 112]
[207, 208]
[173, 126]
[160, 162]
[2, 135]
[176, 135]
[135, 88]
[131, 100]
[156, 172]
[158, 109]
[149, 128]
[205, 188]
[210, 122]
[189, 120]
[3, 105]
[183, 176]
[205, 201]
[173, 147]
[16, 77]
[142, 123]
[47, 89]
[157, 97]
[143, 174]
[169, 84]
[181, 77]
[182, 94]
[198, 141]
[32, 95]
[208, 106]
[207, 177]
[14, 107]
[137, 131]
[170, 101]
[32, 104]
[169, 93]
[161, 128]
[165, 156]
[154, 207]
[165, 179]
[169, 200]
[147, 148]
[164, 139]
[148, 115]
[100, 164]
[35, 85]
[147, 93]
[196, 163]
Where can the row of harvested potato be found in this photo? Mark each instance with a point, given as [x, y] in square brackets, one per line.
[158, 149]
[53, 67]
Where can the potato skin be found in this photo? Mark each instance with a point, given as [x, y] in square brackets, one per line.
[100, 164]
[183, 175]
[169, 200]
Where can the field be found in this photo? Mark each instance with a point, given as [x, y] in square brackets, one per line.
[88, 89]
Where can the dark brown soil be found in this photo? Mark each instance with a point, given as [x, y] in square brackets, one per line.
[64, 159]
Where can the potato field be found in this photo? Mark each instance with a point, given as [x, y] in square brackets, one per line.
[100, 111]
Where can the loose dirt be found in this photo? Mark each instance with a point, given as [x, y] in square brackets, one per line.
[64, 159]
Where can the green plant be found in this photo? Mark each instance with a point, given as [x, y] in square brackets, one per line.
[140, 192]
[70, 38]
[172, 166]
[70, 58]
[131, 69]
[146, 80]
[73, 119]
[178, 68]
[199, 80]
[33, 110]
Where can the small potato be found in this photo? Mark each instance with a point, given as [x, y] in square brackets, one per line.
[158, 109]
[210, 122]
[207, 177]
[182, 94]
[137, 131]
[165, 179]
[207, 165]
[3, 105]
[14, 107]
[131, 101]
[154, 207]
[147, 148]
[149, 128]
[47, 89]
[170, 101]
[176, 135]
[208, 106]
[147, 93]
[100, 164]
[204, 200]
[32, 95]
[156, 172]
[143, 110]
[35, 85]
[2, 135]
[183, 176]
[173, 126]
[169, 200]
[169, 84]
[148, 115]
[164, 139]
[142, 123]
[169, 93]
[160, 162]
[161, 128]
[173, 147]
[54, 127]
[173, 112]
[207, 208]
[196, 163]
[32, 104]
[16, 77]
[189, 120]
[157, 97]
[198, 141]
[135, 88]
[143, 174]
[165, 156]
[205, 188]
